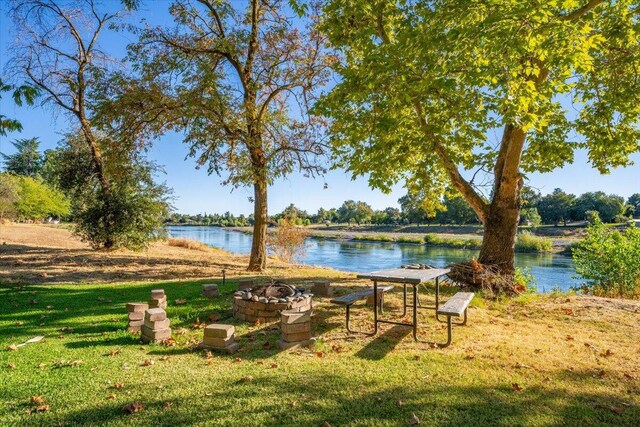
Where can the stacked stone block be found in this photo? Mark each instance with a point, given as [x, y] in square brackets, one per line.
[219, 337]
[210, 291]
[158, 299]
[322, 288]
[156, 326]
[296, 329]
[136, 316]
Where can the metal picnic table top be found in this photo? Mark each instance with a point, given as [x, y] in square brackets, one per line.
[405, 275]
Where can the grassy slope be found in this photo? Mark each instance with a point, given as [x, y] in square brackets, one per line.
[537, 343]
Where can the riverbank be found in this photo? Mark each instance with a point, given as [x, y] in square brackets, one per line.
[462, 237]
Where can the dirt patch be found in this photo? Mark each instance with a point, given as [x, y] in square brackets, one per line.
[47, 254]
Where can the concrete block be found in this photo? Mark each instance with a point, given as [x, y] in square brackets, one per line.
[157, 293]
[218, 330]
[290, 317]
[295, 328]
[137, 307]
[300, 336]
[157, 324]
[153, 314]
[284, 345]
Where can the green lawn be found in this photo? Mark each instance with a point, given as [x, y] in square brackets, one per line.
[342, 381]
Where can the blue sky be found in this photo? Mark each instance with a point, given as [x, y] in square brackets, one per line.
[197, 192]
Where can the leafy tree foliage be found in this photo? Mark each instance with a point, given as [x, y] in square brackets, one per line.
[27, 160]
[422, 84]
[609, 260]
[355, 212]
[28, 198]
[24, 94]
[556, 207]
[130, 214]
[9, 196]
[634, 203]
[609, 207]
[237, 78]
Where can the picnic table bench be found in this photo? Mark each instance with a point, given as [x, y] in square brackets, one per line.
[349, 299]
[456, 306]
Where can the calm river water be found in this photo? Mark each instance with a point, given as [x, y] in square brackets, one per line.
[548, 269]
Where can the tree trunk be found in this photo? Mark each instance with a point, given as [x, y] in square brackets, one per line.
[258, 259]
[498, 242]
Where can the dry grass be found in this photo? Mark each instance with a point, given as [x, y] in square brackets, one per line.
[188, 244]
[51, 254]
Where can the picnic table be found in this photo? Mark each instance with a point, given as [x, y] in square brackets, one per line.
[404, 276]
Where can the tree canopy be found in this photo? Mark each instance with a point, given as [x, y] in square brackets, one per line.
[425, 85]
[27, 160]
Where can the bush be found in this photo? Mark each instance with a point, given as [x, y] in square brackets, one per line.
[287, 242]
[609, 261]
[27, 198]
[528, 242]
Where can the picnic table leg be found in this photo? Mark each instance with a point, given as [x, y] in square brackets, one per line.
[404, 299]
[438, 299]
[415, 312]
[375, 307]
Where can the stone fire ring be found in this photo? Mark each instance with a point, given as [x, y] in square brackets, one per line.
[265, 302]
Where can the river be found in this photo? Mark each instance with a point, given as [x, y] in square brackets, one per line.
[549, 270]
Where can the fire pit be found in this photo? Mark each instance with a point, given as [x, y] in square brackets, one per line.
[265, 302]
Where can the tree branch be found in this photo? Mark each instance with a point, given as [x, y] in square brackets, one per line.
[592, 4]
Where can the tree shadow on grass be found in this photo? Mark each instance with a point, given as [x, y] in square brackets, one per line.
[327, 400]
[383, 343]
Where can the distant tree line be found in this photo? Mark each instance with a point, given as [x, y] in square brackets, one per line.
[555, 208]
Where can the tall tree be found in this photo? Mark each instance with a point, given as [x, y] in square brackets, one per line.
[238, 81]
[58, 50]
[556, 207]
[27, 160]
[634, 202]
[424, 85]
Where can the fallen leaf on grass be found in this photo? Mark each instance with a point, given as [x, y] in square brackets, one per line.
[164, 358]
[607, 353]
[568, 312]
[237, 359]
[114, 352]
[133, 407]
[246, 379]
[273, 366]
[42, 365]
[111, 396]
[416, 357]
[631, 377]
[592, 347]
[169, 342]
[11, 365]
[12, 347]
[414, 420]
[76, 362]
[118, 386]
[569, 338]
[208, 394]
[19, 323]
[180, 301]
[49, 307]
[319, 354]
[167, 405]
[517, 387]
[37, 400]
[41, 408]
[147, 362]
[400, 403]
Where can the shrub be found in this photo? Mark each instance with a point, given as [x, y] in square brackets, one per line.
[410, 240]
[528, 242]
[37, 200]
[609, 261]
[287, 242]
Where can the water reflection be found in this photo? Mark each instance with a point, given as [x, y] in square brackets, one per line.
[549, 270]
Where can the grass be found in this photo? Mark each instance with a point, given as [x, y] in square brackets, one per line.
[435, 240]
[188, 244]
[528, 242]
[538, 360]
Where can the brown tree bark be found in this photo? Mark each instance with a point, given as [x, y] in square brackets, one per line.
[258, 258]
